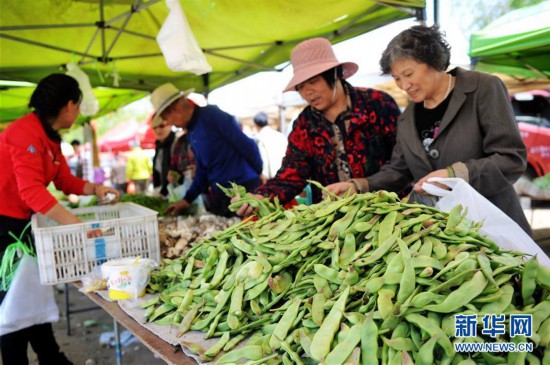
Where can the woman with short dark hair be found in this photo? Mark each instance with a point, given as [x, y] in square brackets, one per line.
[460, 123]
[31, 158]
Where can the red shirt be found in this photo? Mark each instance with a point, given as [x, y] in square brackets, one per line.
[30, 161]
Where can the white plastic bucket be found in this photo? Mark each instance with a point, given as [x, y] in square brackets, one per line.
[127, 277]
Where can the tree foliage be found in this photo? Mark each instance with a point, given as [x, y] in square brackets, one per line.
[476, 15]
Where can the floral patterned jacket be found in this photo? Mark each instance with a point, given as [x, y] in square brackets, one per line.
[311, 155]
[182, 156]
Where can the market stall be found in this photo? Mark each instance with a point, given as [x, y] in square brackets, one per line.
[165, 351]
[355, 279]
[364, 278]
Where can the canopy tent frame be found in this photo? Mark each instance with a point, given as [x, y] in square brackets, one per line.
[102, 25]
[516, 44]
[375, 13]
[14, 98]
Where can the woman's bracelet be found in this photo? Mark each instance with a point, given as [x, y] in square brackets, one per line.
[451, 171]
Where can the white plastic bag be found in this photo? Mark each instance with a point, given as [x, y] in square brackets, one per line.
[178, 44]
[496, 224]
[176, 192]
[89, 105]
[27, 302]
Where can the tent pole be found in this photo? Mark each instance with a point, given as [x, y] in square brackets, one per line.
[123, 27]
[55, 48]
[436, 12]
[88, 141]
[534, 69]
[244, 62]
[421, 15]
[46, 26]
[101, 26]
[206, 85]
[282, 119]
[87, 52]
[227, 48]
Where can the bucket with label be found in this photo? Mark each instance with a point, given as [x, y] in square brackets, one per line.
[127, 278]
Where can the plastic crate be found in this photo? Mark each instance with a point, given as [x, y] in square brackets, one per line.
[65, 254]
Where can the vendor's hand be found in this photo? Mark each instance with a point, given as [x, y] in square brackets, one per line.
[192, 168]
[340, 188]
[175, 208]
[173, 176]
[94, 233]
[263, 179]
[105, 194]
[245, 210]
[437, 173]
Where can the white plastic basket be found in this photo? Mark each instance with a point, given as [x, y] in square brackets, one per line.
[65, 254]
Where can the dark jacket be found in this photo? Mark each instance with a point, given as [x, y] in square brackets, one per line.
[479, 130]
[163, 148]
[223, 153]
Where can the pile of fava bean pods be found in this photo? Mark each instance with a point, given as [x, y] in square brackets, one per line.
[360, 279]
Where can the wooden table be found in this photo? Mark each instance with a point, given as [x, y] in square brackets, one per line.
[163, 349]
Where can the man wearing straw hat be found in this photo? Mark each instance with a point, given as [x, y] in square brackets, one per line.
[344, 133]
[223, 153]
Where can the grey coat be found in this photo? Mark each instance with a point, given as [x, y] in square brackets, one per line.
[478, 130]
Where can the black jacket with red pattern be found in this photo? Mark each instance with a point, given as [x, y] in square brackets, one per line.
[310, 154]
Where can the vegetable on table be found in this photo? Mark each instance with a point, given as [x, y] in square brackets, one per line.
[360, 279]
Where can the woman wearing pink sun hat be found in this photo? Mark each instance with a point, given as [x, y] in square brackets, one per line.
[344, 133]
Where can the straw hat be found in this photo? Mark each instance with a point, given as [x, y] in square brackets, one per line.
[312, 57]
[162, 97]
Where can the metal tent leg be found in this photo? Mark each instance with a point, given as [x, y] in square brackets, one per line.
[68, 310]
[118, 351]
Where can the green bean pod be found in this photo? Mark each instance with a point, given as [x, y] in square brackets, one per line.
[343, 349]
[463, 295]
[528, 281]
[253, 352]
[320, 345]
[284, 325]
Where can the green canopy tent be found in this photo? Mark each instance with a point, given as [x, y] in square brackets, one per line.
[516, 44]
[14, 100]
[116, 39]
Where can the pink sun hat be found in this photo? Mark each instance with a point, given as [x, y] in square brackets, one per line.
[312, 57]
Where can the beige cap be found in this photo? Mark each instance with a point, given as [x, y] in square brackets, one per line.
[162, 97]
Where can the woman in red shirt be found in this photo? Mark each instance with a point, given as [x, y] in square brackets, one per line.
[31, 158]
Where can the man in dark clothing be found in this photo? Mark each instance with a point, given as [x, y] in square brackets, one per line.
[223, 153]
